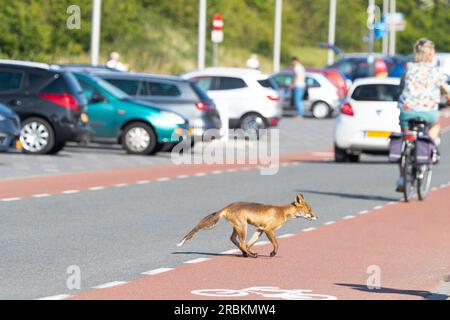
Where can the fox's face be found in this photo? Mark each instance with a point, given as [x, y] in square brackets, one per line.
[304, 210]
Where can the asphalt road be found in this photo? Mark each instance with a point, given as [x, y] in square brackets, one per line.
[296, 134]
[115, 234]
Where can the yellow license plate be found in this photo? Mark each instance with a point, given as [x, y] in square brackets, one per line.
[378, 134]
[84, 118]
[18, 145]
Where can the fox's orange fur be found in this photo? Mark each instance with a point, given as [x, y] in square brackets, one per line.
[266, 218]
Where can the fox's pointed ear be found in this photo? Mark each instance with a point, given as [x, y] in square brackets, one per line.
[299, 198]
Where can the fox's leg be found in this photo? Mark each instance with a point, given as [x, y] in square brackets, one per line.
[233, 238]
[255, 238]
[274, 242]
[242, 234]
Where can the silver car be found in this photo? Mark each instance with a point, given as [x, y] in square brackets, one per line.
[321, 99]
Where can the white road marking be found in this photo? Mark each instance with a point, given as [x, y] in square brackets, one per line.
[143, 182]
[231, 251]
[245, 169]
[285, 164]
[377, 207]
[156, 271]
[443, 185]
[43, 195]
[11, 199]
[434, 189]
[364, 212]
[109, 284]
[392, 203]
[309, 229]
[329, 223]
[348, 217]
[217, 172]
[183, 176]
[231, 170]
[163, 179]
[70, 191]
[199, 260]
[58, 297]
[96, 188]
[287, 235]
[261, 243]
[200, 174]
[121, 185]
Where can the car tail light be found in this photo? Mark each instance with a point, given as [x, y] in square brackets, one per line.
[274, 122]
[64, 100]
[203, 106]
[273, 97]
[347, 109]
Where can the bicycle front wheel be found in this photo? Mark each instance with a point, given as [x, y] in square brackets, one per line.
[424, 181]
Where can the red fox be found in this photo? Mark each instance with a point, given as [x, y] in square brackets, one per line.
[266, 218]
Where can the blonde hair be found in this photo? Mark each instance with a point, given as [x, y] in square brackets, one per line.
[423, 49]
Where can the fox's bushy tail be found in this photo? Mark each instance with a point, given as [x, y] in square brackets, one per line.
[206, 223]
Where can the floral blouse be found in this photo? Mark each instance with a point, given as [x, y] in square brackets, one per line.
[421, 87]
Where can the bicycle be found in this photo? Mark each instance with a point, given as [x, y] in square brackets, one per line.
[416, 160]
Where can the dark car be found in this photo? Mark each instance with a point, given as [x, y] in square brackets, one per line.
[9, 127]
[172, 93]
[49, 102]
[364, 65]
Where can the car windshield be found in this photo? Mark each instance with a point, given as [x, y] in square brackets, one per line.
[119, 94]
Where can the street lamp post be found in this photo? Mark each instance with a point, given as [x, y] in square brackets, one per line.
[277, 36]
[95, 33]
[392, 26]
[201, 35]
[331, 31]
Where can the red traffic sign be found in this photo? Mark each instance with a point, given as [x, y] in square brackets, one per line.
[217, 22]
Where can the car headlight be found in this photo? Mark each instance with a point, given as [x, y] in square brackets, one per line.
[172, 118]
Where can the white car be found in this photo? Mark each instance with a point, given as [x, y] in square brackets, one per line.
[367, 119]
[251, 97]
[321, 99]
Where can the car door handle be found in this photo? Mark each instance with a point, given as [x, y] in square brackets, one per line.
[15, 103]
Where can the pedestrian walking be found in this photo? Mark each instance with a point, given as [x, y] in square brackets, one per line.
[298, 86]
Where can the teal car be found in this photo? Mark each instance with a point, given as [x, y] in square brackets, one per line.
[140, 127]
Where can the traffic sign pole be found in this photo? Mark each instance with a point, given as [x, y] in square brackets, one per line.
[216, 36]
[386, 34]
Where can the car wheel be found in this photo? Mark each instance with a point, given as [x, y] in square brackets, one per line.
[321, 110]
[37, 136]
[57, 148]
[139, 138]
[252, 123]
[340, 155]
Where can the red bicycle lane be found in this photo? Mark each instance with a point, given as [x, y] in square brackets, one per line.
[408, 244]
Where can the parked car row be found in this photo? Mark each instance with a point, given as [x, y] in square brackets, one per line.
[54, 106]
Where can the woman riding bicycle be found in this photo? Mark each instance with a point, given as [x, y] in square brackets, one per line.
[421, 86]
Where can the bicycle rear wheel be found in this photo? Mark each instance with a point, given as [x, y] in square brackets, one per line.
[424, 181]
[410, 178]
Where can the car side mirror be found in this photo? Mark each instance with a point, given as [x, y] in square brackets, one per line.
[97, 98]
